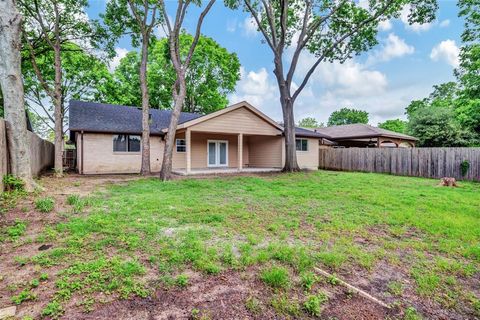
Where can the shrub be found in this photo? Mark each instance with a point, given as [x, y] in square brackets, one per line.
[276, 277]
[464, 166]
[45, 204]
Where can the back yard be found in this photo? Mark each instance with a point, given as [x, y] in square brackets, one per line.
[243, 247]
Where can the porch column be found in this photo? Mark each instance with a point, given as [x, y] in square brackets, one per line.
[240, 151]
[188, 152]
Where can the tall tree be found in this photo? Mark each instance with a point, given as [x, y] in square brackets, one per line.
[436, 126]
[139, 18]
[347, 116]
[12, 90]
[468, 73]
[48, 25]
[213, 73]
[310, 122]
[84, 77]
[181, 63]
[329, 29]
[395, 125]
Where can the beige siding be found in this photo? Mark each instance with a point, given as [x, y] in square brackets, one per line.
[309, 159]
[199, 148]
[240, 120]
[99, 157]
[179, 159]
[265, 152]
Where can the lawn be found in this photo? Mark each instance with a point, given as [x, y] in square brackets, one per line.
[405, 240]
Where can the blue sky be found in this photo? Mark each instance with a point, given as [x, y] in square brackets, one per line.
[405, 65]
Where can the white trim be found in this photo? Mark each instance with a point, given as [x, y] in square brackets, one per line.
[217, 154]
[177, 145]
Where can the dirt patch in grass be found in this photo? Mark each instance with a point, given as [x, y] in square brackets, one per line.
[227, 296]
[130, 249]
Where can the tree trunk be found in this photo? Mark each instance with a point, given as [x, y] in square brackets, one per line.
[58, 113]
[179, 99]
[145, 108]
[13, 94]
[291, 164]
[286, 102]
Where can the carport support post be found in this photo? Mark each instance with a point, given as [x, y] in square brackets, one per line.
[240, 151]
[188, 153]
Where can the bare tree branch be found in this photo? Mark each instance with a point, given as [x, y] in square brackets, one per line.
[337, 43]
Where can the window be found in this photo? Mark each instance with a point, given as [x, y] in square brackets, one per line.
[126, 143]
[301, 144]
[181, 145]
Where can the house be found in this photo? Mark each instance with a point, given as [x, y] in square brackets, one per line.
[238, 138]
[364, 135]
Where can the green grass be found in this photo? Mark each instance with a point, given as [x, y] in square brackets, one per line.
[282, 225]
[276, 277]
[45, 204]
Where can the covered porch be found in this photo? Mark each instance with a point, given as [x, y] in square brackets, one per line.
[214, 171]
[202, 152]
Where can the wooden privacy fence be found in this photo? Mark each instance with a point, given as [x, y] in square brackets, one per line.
[41, 153]
[418, 162]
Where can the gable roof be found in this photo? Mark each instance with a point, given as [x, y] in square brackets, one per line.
[231, 108]
[359, 130]
[110, 118]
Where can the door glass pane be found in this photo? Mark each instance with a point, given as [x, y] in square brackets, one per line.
[211, 153]
[223, 153]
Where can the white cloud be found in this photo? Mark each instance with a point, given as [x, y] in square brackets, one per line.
[447, 51]
[249, 27]
[417, 27]
[121, 53]
[258, 88]
[393, 47]
[385, 25]
[445, 23]
[232, 25]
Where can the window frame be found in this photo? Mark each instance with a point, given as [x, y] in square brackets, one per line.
[127, 144]
[177, 145]
[301, 145]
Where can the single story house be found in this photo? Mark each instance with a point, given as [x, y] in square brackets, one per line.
[364, 135]
[238, 138]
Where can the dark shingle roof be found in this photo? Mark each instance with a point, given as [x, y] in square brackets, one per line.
[101, 117]
[353, 131]
[306, 133]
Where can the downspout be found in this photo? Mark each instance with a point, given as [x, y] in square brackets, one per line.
[81, 151]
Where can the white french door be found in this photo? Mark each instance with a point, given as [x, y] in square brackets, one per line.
[217, 153]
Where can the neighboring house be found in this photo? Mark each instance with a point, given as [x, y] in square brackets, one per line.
[237, 138]
[364, 135]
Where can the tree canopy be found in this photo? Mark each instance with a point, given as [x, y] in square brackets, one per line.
[347, 116]
[212, 75]
[310, 122]
[84, 77]
[396, 125]
[450, 116]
